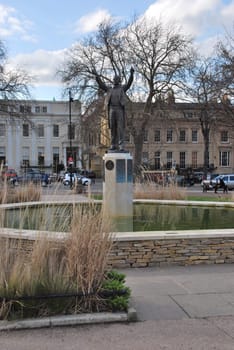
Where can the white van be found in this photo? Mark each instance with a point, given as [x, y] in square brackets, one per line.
[227, 178]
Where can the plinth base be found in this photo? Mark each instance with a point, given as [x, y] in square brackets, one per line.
[118, 188]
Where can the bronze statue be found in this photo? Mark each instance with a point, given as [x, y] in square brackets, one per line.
[115, 104]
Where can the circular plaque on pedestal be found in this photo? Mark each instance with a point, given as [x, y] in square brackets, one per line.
[109, 165]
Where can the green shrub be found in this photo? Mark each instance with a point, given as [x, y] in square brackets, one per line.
[115, 282]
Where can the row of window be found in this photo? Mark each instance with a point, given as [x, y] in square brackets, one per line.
[40, 155]
[37, 109]
[169, 162]
[40, 129]
[182, 137]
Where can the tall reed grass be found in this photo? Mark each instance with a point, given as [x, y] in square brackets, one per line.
[150, 190]
[27, 193]
[78, 264]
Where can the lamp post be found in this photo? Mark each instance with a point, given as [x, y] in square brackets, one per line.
[70, 159]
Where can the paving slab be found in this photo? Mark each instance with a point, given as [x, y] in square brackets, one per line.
[205, 305]
[182, 292]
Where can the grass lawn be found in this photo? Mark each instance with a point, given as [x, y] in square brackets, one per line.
[205, 198]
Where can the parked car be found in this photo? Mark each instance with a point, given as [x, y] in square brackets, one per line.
[208, 183]
[181, 180]
[80, 179]
[67, 177]
[35, 177]
[227, 178]
[26, 178]
[9, 173]
[88, 173]
[198, 176]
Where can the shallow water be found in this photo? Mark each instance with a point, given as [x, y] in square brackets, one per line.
[147, 217]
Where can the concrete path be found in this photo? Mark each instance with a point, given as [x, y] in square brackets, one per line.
[188, 308]
[176, 293]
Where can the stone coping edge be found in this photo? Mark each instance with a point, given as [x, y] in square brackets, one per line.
[70, 320]
[174, 234]
[125, 236]
[136, 201]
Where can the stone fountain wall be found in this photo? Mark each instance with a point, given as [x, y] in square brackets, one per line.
[141, 249]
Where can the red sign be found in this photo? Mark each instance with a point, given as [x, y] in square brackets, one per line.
[70, 160]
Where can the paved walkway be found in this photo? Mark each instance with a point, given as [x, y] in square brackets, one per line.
[176, 293]
[189, 308]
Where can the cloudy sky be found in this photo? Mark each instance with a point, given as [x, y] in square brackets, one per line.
[37, 33]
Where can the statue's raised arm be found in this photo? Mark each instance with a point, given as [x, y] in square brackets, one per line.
[130, 80]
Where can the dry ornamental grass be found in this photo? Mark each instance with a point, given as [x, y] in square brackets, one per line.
[150, 190]
[78, 264]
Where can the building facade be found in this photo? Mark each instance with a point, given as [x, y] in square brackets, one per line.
[40, 134]
[173, 138]
[47, 135]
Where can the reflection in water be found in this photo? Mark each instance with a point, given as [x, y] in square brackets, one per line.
[172, 217]
[147, 217]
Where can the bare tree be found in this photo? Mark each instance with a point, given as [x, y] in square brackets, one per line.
[225, 62]
[14, 84]
[158, 53]
[205, 88]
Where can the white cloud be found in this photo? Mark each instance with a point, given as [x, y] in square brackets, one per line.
[227, 14]
[90, 22]
[196, 17]
[40, 64]
[11, 24]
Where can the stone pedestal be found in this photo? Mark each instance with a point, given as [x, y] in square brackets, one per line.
[118, 189]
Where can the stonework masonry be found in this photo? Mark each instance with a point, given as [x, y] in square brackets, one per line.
[182, 251]
[141, 249]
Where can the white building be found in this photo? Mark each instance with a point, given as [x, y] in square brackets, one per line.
[39, 134]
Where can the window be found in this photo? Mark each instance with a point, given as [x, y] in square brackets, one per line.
[157, 135]
[2, 151]
[25, 130]
[44, 109]
[224, 158]
[182, 135]
[41, 156]
[25, 152]
[194, 135]
[169, 160]
[71, 132]
[189, 115]
[194, 159]
[25, 109]
[40, 129]
[224, 136]
[55, 130]
[145, 139]
[55, 158]
[37, 109]
[182, 160]
[2, 130]
[145, 158]
[2, 155]
[157, 160]
[169, 135]
[92, 139]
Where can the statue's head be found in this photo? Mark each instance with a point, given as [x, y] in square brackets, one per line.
[117, 80]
